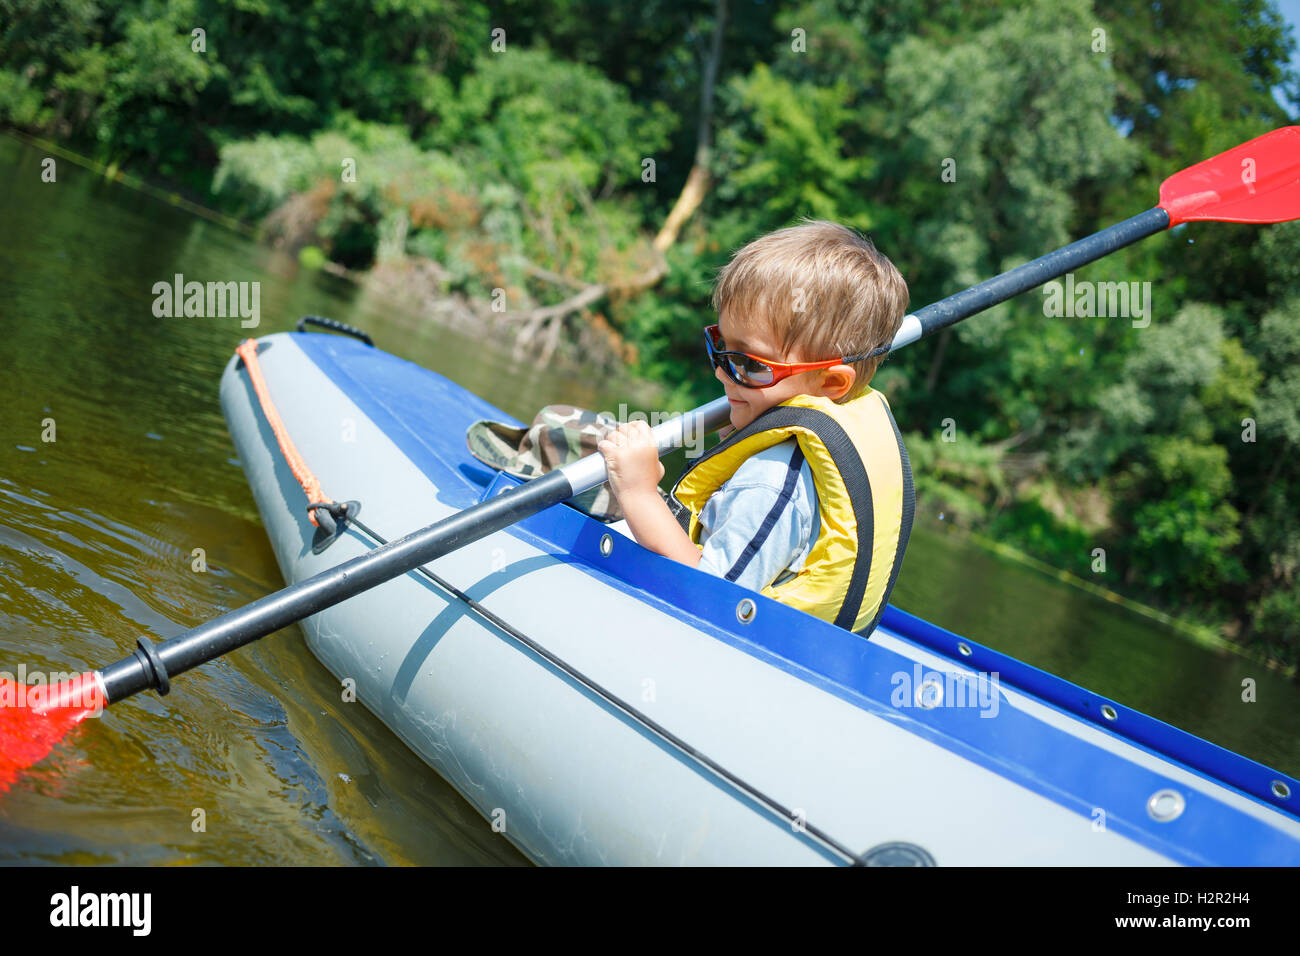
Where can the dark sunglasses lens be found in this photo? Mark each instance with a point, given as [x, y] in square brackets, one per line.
[748, 371]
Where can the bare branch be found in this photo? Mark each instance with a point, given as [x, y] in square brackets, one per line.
[692, 195]
[554, 277]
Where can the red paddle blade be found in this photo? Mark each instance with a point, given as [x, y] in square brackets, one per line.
[34, 718]
[1258, 181]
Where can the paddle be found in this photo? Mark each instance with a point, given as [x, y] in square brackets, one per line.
[1258, 182]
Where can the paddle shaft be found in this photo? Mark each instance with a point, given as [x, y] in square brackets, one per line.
[152, 666]
[990, 292]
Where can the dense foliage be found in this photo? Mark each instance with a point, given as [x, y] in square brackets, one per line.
[966, 138]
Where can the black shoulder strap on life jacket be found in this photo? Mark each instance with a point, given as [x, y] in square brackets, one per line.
[854, 472]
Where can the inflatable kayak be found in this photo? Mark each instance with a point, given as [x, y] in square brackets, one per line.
[600, 704]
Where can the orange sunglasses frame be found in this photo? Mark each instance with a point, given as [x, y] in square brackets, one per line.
[780, 370]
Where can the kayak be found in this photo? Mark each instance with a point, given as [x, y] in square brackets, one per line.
[600, 704]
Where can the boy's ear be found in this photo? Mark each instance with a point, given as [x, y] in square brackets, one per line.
[837, 381]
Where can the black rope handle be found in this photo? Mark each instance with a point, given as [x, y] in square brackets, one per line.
[334, 326]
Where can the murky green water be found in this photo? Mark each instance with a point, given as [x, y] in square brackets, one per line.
[97, 529]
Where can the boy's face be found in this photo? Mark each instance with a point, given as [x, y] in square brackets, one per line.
[748, 403]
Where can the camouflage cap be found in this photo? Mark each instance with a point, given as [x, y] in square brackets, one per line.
[560, 434]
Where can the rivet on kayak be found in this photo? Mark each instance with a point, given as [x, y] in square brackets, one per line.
[606, 545]
[1109, 712]
[1281, 790]
[1166, 805]
[964, 649]
[929, 694]
[896, 854]
[745, 611]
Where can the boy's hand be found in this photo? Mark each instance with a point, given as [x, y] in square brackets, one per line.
[633, 461]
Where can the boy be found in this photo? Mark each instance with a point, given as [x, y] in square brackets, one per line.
[810, 499]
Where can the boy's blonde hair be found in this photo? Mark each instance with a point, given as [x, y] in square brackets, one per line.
[821, 290]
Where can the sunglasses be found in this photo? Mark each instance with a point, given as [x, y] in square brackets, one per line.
[750, 371]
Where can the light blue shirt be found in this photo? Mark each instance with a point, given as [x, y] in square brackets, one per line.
[763, 521]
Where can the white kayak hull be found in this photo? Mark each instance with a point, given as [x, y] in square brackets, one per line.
[815, 724]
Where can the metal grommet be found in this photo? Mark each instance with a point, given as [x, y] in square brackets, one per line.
[1109, 712]
[929, 694]
[1281, 790]
[964, 649]
[1166, 805]
[896, 854]
[606, 544]
[745, 611]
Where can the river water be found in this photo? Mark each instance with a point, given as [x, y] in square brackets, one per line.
[253, 759]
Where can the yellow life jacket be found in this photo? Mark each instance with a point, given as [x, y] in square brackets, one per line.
[864, 494]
